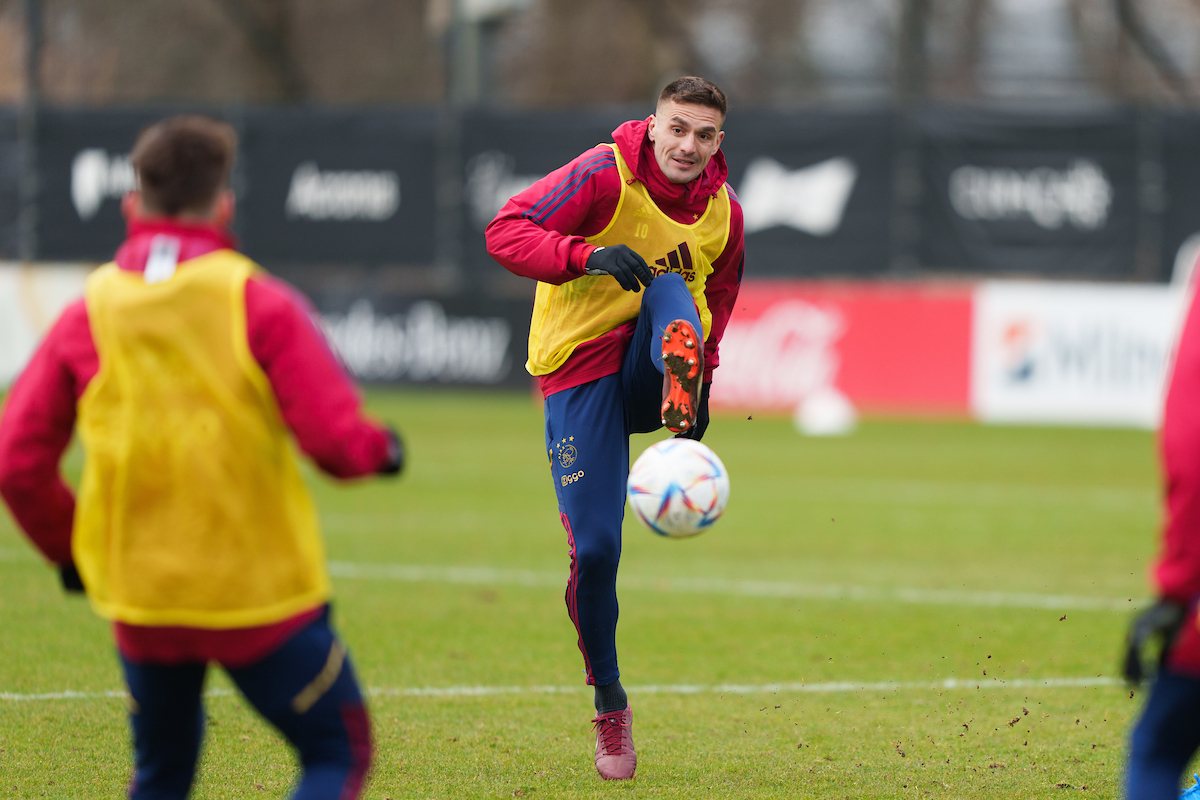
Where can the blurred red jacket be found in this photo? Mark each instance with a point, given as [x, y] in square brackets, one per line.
[1177, 569]
[1177, 572]
[317, 399]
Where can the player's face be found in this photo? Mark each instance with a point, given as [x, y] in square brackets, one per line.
[685, 136]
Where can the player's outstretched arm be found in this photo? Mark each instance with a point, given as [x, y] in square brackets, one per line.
[316, 396]
[540, 232]
[35, 429]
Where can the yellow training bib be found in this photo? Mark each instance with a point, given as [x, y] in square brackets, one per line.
[192, 510]
[580, 310]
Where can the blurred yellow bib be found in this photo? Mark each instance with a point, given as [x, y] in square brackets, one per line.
[192, 510]
[580, 310]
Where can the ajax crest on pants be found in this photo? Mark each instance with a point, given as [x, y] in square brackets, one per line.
[567, 454]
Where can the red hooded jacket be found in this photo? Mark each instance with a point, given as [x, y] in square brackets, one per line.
[583, 197]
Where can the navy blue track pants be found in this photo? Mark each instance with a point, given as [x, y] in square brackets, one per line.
[306, 689]
[587, 438]
[1164, 739]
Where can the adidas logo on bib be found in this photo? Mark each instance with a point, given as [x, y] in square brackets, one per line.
[678, 260]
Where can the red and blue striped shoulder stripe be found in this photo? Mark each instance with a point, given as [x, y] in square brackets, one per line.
[568, 186]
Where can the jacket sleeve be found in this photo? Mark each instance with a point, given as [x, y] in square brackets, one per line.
[721, 288]
[540, 232]
[35, 429]
[316, 396]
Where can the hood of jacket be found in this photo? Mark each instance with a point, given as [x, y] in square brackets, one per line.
[195, 239]
[637, 149]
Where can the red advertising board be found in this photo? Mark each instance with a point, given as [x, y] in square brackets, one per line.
[887, 347]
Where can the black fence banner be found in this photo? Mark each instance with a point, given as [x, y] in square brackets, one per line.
[1181, 178]
[1049, 194]
[1013, 192]
[10, 183]
[386, 334]
[83, 172]
[339, 187]
[815, 189]
[440, 341]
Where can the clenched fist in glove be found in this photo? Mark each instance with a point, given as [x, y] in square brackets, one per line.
[622, 263]
[1161, 621]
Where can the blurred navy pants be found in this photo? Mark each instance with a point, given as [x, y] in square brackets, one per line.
[296, 688]
[587, 438]
[1164, 738]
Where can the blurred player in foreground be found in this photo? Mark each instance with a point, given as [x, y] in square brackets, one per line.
[1168, 733]
[651, 209]
[184, 368]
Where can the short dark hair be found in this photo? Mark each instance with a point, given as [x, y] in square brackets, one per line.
[183, 163]
[690, 89]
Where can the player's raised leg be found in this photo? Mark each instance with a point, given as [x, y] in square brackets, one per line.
[665, 360]
[167, 716]
[307, 689]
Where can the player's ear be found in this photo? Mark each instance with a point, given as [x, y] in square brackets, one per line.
[653, 120]
[225, 208]
[131, 205]
[720, 138]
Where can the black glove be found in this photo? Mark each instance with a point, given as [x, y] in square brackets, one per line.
[1161, 621]
[69, 576]
[395, 454]
[623, 264]
[696, 431]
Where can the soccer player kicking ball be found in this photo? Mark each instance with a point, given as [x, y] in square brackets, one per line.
[651, 209]
[184, 368]
[1167, 735]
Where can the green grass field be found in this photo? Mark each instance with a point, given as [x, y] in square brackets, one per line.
[921, 609]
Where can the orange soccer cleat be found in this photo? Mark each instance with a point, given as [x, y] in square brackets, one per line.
[683, 362]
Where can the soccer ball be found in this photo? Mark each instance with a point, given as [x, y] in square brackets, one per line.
[678, 488]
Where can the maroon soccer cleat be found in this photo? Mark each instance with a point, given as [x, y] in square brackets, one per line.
[615, 756]
[683, 363]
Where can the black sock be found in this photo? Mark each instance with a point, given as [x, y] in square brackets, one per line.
[611, 698]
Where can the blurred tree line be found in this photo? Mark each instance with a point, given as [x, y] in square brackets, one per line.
[539, 53]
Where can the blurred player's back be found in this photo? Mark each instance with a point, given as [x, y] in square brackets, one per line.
[189, 370]
[189, 477]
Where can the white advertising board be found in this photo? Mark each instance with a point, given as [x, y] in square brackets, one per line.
[1071, 353]
[31, 298]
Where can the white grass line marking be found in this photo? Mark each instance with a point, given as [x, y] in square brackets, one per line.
[488, 576]
[17, 697]
[67, 695]
[865, 491]
[833, 687]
